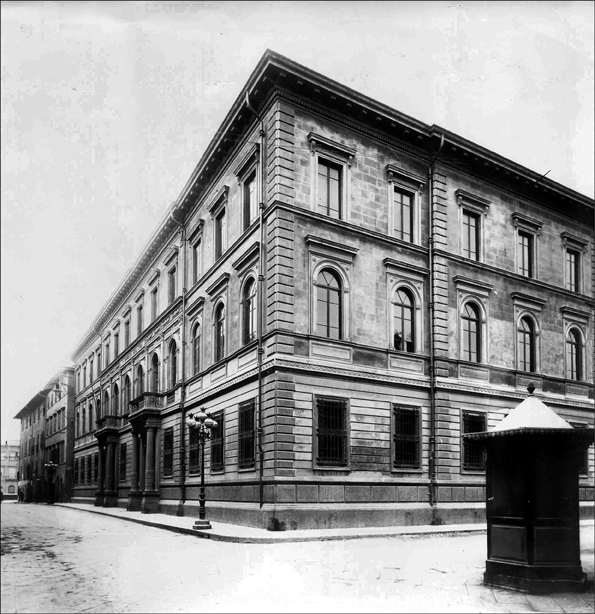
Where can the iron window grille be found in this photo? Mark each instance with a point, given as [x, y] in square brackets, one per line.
[218, 443]
[122, 467]
[194, 452]
[473, 452]
[96, 466]
[406, 437]
[76, 471]
[331, 431]
[89, 469]
[246, 434]
[168, 452]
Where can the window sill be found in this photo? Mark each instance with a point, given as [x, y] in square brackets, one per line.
[400, 470]
[246, 469]
[332, 469]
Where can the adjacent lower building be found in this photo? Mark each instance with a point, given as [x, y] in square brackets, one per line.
[9, 453]
[348, 292]
[46, 446]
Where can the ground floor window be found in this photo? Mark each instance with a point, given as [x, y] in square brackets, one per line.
[168, 452]
[331, 431]
[218, 443]
[122, 466]
[406, 437]
[473, 452]
[246, 434]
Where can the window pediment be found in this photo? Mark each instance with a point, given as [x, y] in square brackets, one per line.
[323, 144]
[573, 242]
[247, 258]
[397, 175]
[468, 284]
[528, 301]
[331, 249]
[195, 233]
[247, 161]
[524, 222]
[473, 202]
[172, 255]
[218, 286]
[218, 201]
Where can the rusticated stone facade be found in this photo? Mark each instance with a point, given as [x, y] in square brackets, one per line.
[347, 291]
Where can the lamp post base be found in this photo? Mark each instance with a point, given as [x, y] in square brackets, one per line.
[201, 525]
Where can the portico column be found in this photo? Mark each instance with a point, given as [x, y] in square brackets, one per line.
[100, 469]
[134, 469]
[109, 481]
[150, 460]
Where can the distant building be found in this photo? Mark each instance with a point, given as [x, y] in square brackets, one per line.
[9, 453]
[348, 291]
[47, 437]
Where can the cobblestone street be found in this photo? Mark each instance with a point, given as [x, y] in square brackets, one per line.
[63, 560]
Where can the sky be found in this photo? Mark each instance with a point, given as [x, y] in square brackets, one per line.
[108, 106]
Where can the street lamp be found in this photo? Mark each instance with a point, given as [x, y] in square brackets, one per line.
[202, 423]
[51, 469]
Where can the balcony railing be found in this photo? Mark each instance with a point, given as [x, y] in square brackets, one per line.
[147, 400]
[108, 422]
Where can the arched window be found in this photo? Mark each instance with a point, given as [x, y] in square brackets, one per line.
[173, 364]
[328, 305]
[140, 381]
[126, 395]
[78, 424]
[84, 420]
[105, 411]
[471, 331]
[155, 373]
[574, 355]
[249, 311]
[403, 321]
[526, 344]
[116, 400]
[90, 418]
[196, 349]
[220, 333]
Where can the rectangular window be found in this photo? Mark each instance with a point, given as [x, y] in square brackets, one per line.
[168, 452]
[403, 215]
[106, 355]
[78, 382]
[220, 233]
[246, 434]
[406, 437]
[153, 304]
[250, 200]
[525, 254]
[89, 468]
[470, 235]
[572, 270]
[194, 452]
[196, 261]
[139, 320]
[218, 443]
[330, 187]
[90, 370]
[96, 467]
[473, 452]
[331, 431]
[116, 345]
[126, 333]
[171, 285]
[122, 464]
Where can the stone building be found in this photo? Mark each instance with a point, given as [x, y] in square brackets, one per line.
[47, 438]
[9, 452]
[348, 291]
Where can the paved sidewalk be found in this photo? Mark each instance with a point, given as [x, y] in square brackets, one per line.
[250, 535]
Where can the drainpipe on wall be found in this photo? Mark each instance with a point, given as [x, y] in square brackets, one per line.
[260, 302]
[180, 510]
[432, 460]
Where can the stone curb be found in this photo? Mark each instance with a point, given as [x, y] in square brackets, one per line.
[416, 532]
